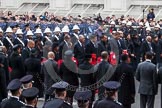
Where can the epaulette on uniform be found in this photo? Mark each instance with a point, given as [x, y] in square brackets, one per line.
[21, 102]
[4, 99]
[118, 103]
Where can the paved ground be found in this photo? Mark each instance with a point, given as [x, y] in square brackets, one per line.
[137, 99]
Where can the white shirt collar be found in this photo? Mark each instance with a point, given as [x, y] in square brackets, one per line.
[30, 105]
[15, 97]
[148, 60]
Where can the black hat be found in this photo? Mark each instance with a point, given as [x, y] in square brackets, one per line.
[112, 85]
[30, 93]
[60, 85]
[14, 85]
[26, 79]
[54, 45]
[83, 95]
[15, 47]
[56, 103]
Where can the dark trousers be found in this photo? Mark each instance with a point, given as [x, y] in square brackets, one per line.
[127, 105]
[147, 100]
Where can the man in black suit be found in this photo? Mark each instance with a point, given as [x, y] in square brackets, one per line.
[65, 45]
[146, 74]
[86, 73]
[69, 73]
[55, 50]
[92, 47]
[79, 49]
[13, 102]
[125, 75]
[103, 69]
[26, 50]
[146, 46]
[103, 44]
[50, 71]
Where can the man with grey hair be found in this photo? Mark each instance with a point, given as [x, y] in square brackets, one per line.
[146, 47]
[92, 47]
[79, 49]
[50, 70]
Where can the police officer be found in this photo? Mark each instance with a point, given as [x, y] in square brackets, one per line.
[60, 94]
[83, 98]
[27, 81]
[30, 96]
[13, 102]
[58, 103]
[111, 95]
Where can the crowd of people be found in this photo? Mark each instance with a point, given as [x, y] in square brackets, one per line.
[61, 58]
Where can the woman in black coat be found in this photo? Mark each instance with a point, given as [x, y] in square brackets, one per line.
[125, 75]
[68, 73]
[3, 83]
[16, 63]
[33, 67]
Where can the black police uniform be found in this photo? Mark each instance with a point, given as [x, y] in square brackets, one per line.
[13, 101]
[82, 97]
[25, 80]
[58, 103]
[109, 102]
[30, 94]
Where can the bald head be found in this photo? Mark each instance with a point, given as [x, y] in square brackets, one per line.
[148, 38]
[51, 55]
[81, 38]
[31, 44]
